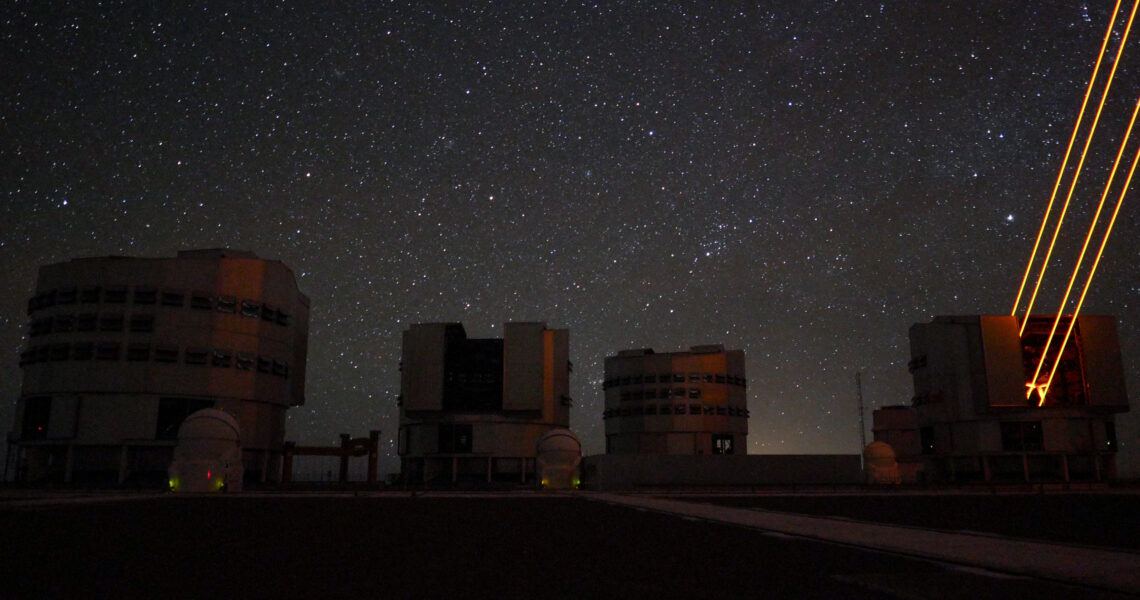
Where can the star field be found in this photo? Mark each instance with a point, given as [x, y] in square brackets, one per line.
[802, 181]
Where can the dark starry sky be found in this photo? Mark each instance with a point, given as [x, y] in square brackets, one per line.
[802, 180]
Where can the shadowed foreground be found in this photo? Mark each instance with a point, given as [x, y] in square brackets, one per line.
[442, 547]
[1110, 520]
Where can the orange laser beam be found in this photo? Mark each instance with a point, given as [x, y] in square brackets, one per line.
[1065, 160]
[1080, 260]
[1096, 261]
[1077, 173]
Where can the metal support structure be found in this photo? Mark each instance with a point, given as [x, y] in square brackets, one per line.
[348, 447]
[373, 452]
[8, 459]
[862, 421]
[287, 463]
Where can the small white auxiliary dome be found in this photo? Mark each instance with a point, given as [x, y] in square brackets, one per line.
[208, 455]
[559, 456]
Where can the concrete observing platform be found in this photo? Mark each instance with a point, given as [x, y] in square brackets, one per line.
[1101, 568]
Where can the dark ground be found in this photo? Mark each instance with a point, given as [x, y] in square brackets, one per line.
[1110, 520]
[459, 547]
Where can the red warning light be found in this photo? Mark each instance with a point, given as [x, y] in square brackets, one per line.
[208, 474]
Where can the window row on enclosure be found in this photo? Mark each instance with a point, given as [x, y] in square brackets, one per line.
[676, 409]
[160, 353]
[652, 378]
[659, 393]
[149, 296]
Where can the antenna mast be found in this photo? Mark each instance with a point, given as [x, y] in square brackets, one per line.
[862, 422]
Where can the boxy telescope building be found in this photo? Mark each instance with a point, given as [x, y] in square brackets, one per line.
[474, 410]
[972, 413]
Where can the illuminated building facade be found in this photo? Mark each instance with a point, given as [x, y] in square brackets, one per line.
[691, 402]
[474, 410]
[977, 418]
[120, 350]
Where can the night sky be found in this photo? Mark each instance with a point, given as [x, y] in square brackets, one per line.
[800, 180]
